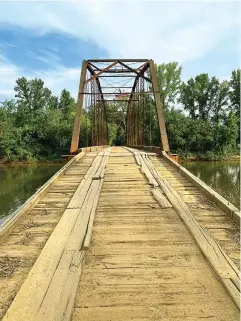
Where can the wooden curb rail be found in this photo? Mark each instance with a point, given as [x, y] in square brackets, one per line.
[225, 205]
[222, 265]
[155, 190]
[49, 290]
[9, 224]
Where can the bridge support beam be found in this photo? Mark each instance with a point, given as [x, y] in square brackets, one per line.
[159, 108]
[77, 122]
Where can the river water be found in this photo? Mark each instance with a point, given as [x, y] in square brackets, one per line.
[223, 177]
[19, 182]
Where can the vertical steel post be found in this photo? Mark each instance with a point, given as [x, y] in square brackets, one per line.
[137, 113]
[131, 124]
[77, 122]
[92, 97]
[95, 117]
[142, 112]
[127, 126]
[134, 121]
[102, 124]
[97, 123]
[159, 108]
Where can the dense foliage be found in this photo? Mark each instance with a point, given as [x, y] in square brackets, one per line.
[37, 125]
[202, 117]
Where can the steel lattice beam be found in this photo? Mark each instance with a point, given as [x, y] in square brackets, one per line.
[142, 71]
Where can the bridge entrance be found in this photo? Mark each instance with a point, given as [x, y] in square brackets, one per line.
[118, 233]
[130, 87]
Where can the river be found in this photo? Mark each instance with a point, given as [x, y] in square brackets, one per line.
[19, 182]
[223, 177]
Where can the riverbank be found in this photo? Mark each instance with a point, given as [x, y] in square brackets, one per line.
[194, 158]
[35, 162]
[188, 158]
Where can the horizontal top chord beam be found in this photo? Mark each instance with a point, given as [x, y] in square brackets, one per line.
[112, 60]
[117, 70]
[116, 93]
[117, 87]
[113, 76]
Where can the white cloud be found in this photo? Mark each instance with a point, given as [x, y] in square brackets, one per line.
[160, 30]
[55, 79]
[164, 31]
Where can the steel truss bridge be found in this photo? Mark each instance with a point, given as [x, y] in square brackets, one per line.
[121, 233]
[129, 81]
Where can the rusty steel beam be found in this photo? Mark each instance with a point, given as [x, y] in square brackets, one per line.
[116, 93]
[112, 60]
[103, 87]
[116, 71]
[142, 71]
[113, 76]
[136, 109]
[101, 72]
[102, 97]
[113, 100]
[79, 105]
[89, 63]
[159, 108]
[136, 72]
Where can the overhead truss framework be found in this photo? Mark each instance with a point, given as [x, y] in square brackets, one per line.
[129, 81]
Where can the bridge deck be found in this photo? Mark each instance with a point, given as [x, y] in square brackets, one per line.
[142, 264]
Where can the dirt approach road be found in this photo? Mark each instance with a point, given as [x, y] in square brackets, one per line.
[142, 263]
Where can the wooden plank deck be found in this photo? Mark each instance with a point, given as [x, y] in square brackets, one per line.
[142, 262]
[19, 251]
[224, 230]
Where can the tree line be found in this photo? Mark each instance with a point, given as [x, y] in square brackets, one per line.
[202, 118]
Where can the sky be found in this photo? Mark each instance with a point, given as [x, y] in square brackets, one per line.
[49, 39]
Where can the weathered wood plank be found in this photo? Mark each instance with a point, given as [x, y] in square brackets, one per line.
[143, 263]
[161, 199]
[9, 224]
[24, 307]
[225, 205]
[48, 277]
[209, 247]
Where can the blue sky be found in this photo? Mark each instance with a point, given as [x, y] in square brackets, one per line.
[49, 40]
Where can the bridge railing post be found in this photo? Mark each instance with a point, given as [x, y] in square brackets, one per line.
[159, 108]
[79, 105]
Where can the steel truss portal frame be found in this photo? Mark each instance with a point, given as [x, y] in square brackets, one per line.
[92, 93]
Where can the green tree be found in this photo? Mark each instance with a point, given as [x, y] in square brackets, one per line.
[220, 101]
[204, 98]
[169, 78]
[176, 124]
[31, 94]
[66, 103]
[235, 97]
[235, 91]
[229, 135]
[188, 98]
[38, 125]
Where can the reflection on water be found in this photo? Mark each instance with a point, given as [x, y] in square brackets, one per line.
[223, 177]
[19, 182]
